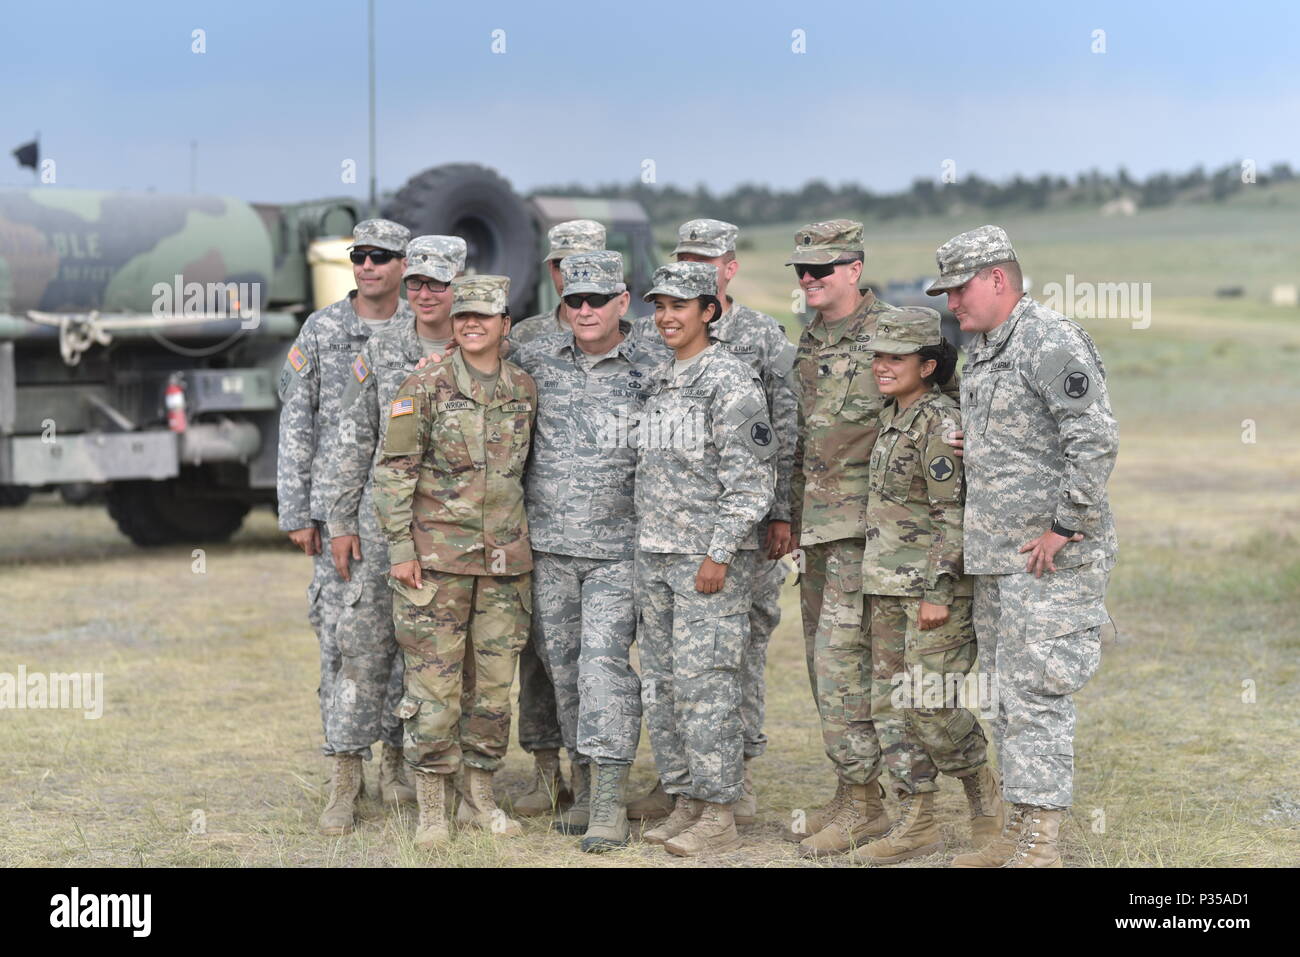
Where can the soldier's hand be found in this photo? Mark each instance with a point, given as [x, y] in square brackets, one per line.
[308, 539]
[778, 539]
[957, 439]
[342, 548]
[709, 579]
[1042, 551]
[931, 616]
[436, 356]
[408, 573]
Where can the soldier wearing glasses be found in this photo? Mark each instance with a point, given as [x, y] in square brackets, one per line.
[311, 387]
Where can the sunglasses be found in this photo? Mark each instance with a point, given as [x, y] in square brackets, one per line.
[819, 272]
[415, 284]
[377, 256]
[594, 299]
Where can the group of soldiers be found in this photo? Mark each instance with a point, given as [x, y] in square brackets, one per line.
[476, 491]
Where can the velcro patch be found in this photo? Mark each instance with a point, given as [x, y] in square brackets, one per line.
[402, 407]
[455, 405]
[942, 472]
[360, 369]
[297, 359]
[517, 407]
[940, 468]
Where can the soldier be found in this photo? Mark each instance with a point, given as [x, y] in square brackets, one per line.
[448, 490]
[364, 633]
[567, 239]
[539, 728]
[922, 639]
[312, 382]
[757, 339]
[591, 384]
[1040, 443]
[705, 477]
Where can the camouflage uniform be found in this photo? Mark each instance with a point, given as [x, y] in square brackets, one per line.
[448, 490]
[1040, 443]
[539, 727]
[311, 386]
[757, 339]
[705, 477]
[574, 236]
[582, 520]
[371, 678]
[913, 554]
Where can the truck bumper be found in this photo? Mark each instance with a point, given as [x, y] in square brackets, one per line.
[88, 457]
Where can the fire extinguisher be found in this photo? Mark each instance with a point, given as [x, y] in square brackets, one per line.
[174, 401]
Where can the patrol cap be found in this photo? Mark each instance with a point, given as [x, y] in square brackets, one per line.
[684, 281]
[575, 236]
[961, 257]
[706, 237]
[488, 295]
[382, 234]
[817, 244]
[907, 330]
[437, 257]
[600, 271]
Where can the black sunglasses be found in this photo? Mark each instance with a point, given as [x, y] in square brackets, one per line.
[377, 256]
[819, 272]
[594, 299]
[415, 284]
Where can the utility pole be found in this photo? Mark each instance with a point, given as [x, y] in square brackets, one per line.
[374, 203]
[194, 166]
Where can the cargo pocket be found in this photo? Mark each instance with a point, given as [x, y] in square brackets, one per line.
[407, 708]
[353, 590]
[420, 597]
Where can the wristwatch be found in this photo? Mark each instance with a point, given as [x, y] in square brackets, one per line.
[1060, 529]
[720, 555]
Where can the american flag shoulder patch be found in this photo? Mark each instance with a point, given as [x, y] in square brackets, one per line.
[402, 407]
[297, 359]
[360, 369]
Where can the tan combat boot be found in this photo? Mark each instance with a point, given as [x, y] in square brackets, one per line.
[434, 827]
[915, 834]
[984, 795]
[685, 811]
[549, 793]
[478, 807]
[1038, 847]
[998, 851]
[746, 809]
[576, 818]
[394, 783]
[860, 819]
[339, 814]
[714, 832]
[608, 827]
[651, 807]
[809, 823]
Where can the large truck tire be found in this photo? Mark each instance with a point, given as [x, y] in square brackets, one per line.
[474, 202]
[11, 496]
[160, 513]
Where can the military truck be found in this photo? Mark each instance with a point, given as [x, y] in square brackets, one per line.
[140, 334]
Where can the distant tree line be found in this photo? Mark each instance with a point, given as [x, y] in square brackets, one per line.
[749, 204]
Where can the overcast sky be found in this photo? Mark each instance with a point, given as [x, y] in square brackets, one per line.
[586, 92]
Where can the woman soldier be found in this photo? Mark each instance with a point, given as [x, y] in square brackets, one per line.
[705, 476]
[448, 489]
[922, 637]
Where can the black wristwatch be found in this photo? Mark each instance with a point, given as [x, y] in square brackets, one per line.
[1060, 529]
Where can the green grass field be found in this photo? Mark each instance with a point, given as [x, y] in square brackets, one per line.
[1186, 737]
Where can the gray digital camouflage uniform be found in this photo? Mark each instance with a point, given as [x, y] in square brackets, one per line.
[311, 386]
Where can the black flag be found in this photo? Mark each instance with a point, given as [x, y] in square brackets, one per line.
[28, 155]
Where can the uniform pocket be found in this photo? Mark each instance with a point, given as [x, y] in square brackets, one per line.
[419, 597]
[1068, 662]
[407, 708]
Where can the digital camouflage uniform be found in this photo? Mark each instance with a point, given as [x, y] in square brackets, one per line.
[311, 385]
[371, 679]
[448, 490]
[758, 340]
[574, 236]
[539, 727]
[705, 477]
[582, 521]
[913, 554]
[1040, 443]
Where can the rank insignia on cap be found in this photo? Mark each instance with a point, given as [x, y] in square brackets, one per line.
[297, 359]
[694, 234]
[807, 239]
[402, 407]
[359, 369]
